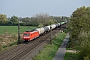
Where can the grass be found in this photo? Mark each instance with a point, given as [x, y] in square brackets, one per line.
[9, 45]
[50, 49]
[69, 48]
[71, 56]
[6, 47]
[14, 29]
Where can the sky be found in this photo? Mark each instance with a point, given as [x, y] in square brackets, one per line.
[29, 8]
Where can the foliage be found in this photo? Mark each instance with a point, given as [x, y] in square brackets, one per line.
[84, 46]
[51, 22]
[3, 19]
[80, 32]
[42, 18]
[79, 22]
[66, 30]
[40, 25]
[37, 20]
[49, 50]
[14, 20]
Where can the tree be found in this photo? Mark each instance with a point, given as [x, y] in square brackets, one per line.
[3, 19]
[26, 21]
[79, 22]
[42, 18]
[51, 22]
[14, 20]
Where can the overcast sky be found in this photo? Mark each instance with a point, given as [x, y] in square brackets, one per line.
[28, 8]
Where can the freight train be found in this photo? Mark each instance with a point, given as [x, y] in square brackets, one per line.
[31, 35]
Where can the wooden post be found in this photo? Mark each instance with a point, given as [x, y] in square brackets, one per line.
[50, 33]
[18, 32]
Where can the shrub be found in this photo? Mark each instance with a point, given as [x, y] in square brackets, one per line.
[84, 45]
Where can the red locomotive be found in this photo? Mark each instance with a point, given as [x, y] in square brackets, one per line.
[29, 35]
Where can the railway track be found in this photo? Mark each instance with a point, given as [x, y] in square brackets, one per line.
[21, 50]
[36, 50]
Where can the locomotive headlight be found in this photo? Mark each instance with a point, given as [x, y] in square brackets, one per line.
[27, 37]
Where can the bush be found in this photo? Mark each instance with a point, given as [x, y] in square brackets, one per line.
[85, 53]
[71, 56]
[40, 25]
[84, 45]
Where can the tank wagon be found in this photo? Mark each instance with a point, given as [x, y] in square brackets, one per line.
[53, 26]
[30, 35]
[46, 28]
[57, 25]
[41, 30]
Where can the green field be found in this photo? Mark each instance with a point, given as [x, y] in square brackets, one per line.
[14, 29]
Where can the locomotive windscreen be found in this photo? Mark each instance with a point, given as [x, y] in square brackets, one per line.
[26, 35]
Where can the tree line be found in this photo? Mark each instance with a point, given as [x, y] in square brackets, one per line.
[79, 28]
[37, 20]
